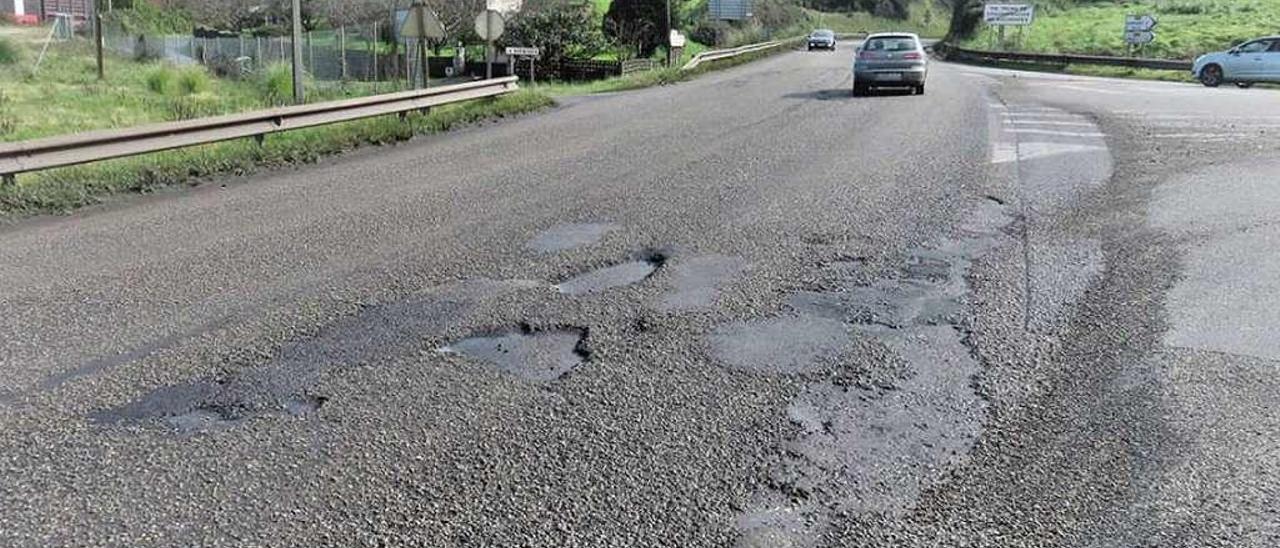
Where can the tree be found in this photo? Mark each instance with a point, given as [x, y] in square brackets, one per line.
[639, 25]
[562, 29]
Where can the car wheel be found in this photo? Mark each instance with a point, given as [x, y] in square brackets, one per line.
[920, 89]
[1211, 76]
[859, 91]
[1244, 85]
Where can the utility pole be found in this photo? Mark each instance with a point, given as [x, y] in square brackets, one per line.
[298, 96]
[97, 39]
[668, 38]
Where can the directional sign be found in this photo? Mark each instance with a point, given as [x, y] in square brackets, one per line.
[504, 6]
[420, 22]
[1003, 15]
[1139, 38]
[489, 25]
[523, 52]
[1135, 23]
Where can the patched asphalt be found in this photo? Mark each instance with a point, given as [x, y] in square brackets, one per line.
[744, 310]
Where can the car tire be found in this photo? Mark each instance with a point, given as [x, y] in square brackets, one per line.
[1211, 76]
[859, 91]
[1244, 85]
[920, 89]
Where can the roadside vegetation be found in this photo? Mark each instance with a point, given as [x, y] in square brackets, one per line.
[1187, 28]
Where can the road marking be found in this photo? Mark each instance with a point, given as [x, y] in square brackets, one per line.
[1058, 133]
[1050, 123]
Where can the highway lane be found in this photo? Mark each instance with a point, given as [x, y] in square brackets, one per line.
[747, 309]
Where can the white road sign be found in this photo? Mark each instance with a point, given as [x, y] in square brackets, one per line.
[1009, 14]
[421, 22]
[1139, 38]
[489, 25]
[523, 52]
[504, 6]
[1135, 23]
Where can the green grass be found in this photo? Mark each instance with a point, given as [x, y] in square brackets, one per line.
[9, 52]
[65, 189]
[1187, 29]
[65, 97]
[926, 19]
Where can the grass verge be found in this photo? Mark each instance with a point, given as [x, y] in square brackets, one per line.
[1187, 28]
[61, 190]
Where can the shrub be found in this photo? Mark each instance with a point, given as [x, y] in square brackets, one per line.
[9, 52]
[193, 80]
[162, 80]
[276, 83]
[562, 30]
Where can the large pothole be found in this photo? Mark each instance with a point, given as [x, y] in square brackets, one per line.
[525, 353]
[283, 386]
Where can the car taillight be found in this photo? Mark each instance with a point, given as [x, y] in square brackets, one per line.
[912, 56]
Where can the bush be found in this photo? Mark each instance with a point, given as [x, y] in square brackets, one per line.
[162, 80]
[562, 30]
[193, 80]
[639, 26]
[276, 83]
[9, 52]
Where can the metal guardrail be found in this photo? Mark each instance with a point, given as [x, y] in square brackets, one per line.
[38, 154]
[714, 55]
[1065, 59]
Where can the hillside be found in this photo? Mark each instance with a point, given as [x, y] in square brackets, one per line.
[1187, 28]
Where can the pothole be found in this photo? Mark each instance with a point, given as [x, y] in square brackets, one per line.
[789, 345]
[283, 384]
[635, 271]
[569, 236]
[525, 353]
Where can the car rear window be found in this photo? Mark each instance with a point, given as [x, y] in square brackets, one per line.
[823, 34]
[891, 43]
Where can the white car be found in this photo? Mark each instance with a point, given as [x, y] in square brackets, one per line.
[1244, 65]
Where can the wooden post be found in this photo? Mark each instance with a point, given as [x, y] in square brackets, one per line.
[97, 44]
[374, 46]
[342, 49]
[311, 54]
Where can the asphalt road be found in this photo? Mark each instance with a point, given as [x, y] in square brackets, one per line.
[747, 310]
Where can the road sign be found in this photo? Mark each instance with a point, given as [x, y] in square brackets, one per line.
[421, 22]
[1006, 15]
[729, 10]
[523, 52]
[503, 6]
[1139, 38]
[489, 25]
[1143, 23]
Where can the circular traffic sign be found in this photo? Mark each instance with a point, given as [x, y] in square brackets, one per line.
[489, 25]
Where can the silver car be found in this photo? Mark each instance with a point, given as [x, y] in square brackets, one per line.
[891, 59]
[1244, 65]
[822, 39]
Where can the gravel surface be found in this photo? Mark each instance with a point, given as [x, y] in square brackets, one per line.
[744, 310]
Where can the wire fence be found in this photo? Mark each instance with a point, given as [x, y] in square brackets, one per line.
[344, 54]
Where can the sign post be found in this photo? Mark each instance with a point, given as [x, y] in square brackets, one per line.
[489, 26]
[1008, 15]
[1139, 30]
[421, 23]
[531, 53]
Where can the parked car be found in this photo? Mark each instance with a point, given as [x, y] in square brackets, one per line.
[1244, 65]
[885, 60]
[822, 39]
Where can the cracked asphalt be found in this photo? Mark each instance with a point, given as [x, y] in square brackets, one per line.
[746, 310]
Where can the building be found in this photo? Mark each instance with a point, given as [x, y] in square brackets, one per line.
[30, 12]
